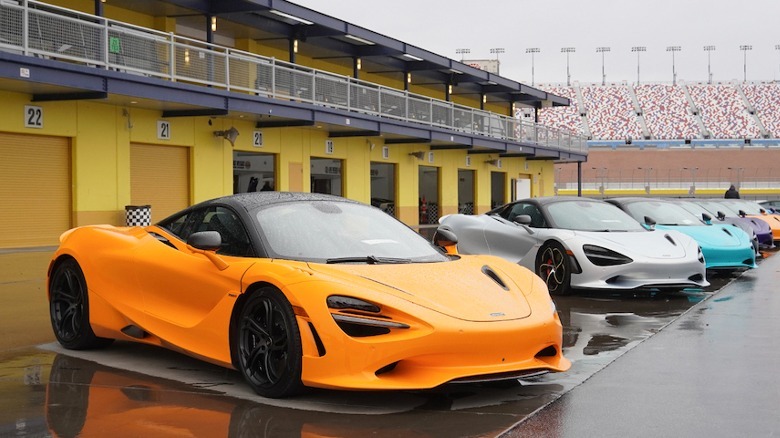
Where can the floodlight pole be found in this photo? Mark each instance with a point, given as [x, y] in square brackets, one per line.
[568, 50]
[497, 51]
[603, 50]
[462, 52]
[709, 50]
[638, 49]
[532, 50]
[745, 49]
[777, 47]
[674, 72]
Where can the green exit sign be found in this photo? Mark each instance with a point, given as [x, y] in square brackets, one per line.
[114, 45]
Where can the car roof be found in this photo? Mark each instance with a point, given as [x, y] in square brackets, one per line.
[545, 200]
[254, 200]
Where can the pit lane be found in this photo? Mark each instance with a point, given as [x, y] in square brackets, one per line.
[146, 391]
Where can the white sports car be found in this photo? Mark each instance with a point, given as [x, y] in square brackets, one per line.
[573, 242]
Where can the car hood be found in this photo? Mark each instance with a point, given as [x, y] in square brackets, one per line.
[712, 235]
[463, 288]
[652, 244]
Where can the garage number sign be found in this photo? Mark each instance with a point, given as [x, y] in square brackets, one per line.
[163, 130]
[33, 116]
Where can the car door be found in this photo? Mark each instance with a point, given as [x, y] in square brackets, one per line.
[182, 289]
[507, 239]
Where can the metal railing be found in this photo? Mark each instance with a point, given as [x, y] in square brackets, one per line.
[606, 180]
[37, 29]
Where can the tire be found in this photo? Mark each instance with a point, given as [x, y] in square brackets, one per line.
[552, 265]
[69, 308]
[268, 345]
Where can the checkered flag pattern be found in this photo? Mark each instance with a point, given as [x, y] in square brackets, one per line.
[138, 215]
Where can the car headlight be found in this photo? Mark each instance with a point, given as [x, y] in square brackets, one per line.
[604, 257]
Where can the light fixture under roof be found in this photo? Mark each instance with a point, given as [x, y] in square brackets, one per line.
[359, 40]
[411, 57]
[291, 17]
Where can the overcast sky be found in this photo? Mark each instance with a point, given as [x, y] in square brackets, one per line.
[442, 26]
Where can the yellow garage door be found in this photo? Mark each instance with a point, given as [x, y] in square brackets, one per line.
[160, 177]
[35, 190]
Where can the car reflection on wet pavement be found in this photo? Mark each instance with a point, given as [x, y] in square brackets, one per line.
[49, 391]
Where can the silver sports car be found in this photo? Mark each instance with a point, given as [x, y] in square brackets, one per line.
[584, 243]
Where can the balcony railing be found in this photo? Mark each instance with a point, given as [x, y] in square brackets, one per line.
[33, 28]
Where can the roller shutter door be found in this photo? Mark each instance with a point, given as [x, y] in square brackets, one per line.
[160, 177]
[35, 190]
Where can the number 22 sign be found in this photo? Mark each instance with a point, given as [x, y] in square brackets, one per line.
[33, 116]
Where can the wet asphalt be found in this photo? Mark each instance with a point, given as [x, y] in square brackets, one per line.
[711, 373]
[693, 364]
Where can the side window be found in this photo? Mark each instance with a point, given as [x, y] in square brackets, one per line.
[537, 220]
[235, 240]
[184, 225]
[176, 227]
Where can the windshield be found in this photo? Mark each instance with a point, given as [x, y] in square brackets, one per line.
[591, 216]
[338, 232]
[663, 213]
[752, 208]
[696, 209]
[715, 206]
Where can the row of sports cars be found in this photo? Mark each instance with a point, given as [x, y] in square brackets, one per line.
[300, 290]
[620, 243]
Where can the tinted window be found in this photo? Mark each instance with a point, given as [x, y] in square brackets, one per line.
[531, 210]
[235, 241]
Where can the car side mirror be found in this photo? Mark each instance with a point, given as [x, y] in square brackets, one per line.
[742, 213]
[205, 240]
[706, 218]
[446, 238]
[649, 223]
[523, 219]
[721, 216]
[762, 211]
[207, 243]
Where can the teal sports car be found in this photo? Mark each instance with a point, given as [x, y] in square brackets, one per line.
[725, 247]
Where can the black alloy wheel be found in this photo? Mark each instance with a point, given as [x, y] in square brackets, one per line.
[269, 348]
[69, 308]
[552, 265]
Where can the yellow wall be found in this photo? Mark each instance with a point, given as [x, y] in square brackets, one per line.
[101, 135]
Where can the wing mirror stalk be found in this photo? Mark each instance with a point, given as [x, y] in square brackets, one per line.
[524, 221]
[446, 238]
[207, 243]
[649, 223]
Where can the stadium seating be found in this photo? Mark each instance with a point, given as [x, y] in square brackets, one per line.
[723, 111]
[611, 115]
[567, 118]
[765, 98]
[666, 112]
[669, 114]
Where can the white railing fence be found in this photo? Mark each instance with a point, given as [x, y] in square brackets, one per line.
[33, 28]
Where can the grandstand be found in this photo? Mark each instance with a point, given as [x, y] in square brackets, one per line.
[683, 139]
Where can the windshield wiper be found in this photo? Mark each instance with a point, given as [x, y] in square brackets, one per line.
[371, 260]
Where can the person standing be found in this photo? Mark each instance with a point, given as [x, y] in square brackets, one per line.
[732, 193]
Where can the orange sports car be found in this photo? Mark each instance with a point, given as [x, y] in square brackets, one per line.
[297, 290]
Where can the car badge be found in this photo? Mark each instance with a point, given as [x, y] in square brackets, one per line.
[497, 314]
